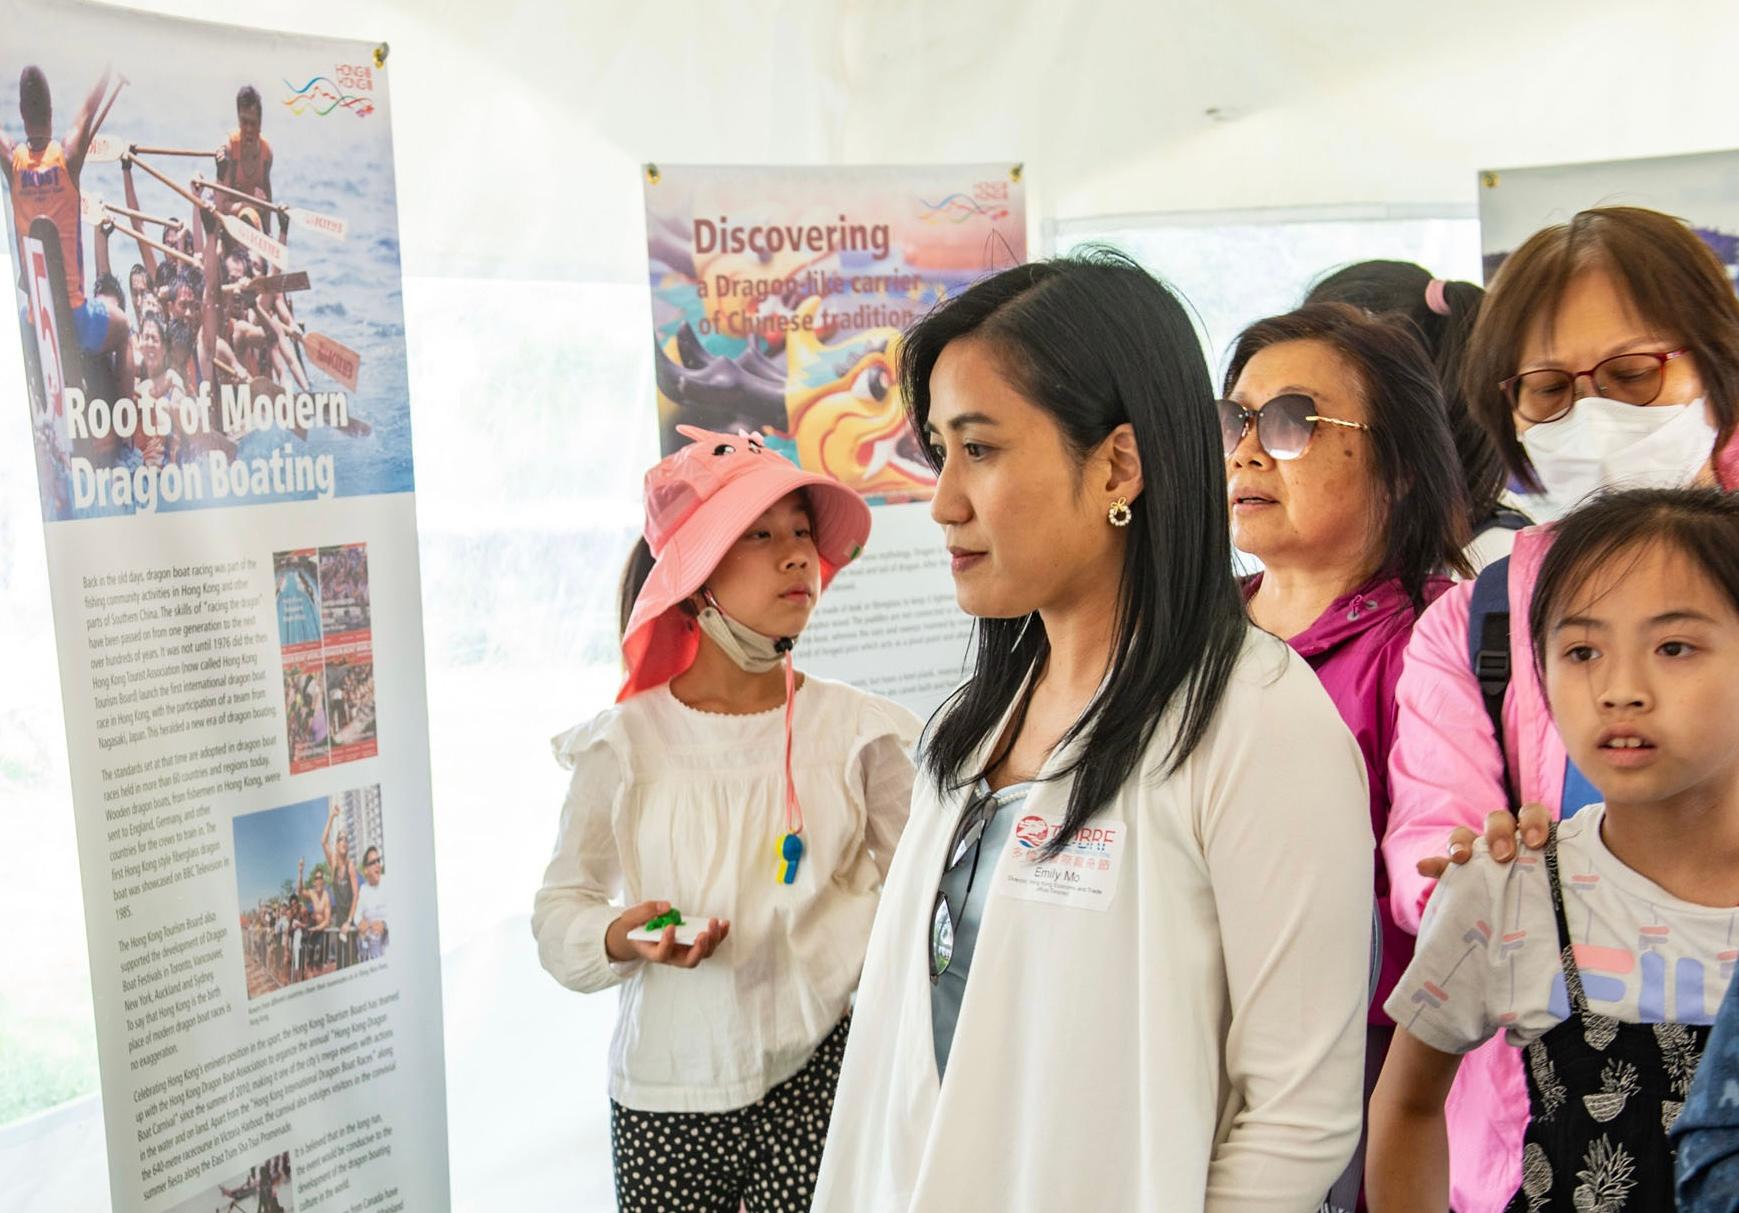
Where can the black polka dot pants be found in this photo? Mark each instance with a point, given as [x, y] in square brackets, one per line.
[764, 1156]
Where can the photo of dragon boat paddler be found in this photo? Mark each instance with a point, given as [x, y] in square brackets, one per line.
[208, 278]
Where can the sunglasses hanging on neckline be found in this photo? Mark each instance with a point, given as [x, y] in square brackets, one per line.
[966, 839]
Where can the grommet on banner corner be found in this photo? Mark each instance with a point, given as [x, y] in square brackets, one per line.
[652, 174]
[1488, 180]
[380, 54]
[1015, 172]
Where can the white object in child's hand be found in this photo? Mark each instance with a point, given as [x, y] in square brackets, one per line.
[686, 933]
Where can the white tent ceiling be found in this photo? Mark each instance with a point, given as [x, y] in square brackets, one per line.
[520, 125]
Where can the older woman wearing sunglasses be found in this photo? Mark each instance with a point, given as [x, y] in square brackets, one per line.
[1343, 481]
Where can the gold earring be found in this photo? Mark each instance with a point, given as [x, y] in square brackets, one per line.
[1119, 514]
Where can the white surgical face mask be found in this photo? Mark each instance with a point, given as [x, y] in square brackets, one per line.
[1602, 444]
[751, 652]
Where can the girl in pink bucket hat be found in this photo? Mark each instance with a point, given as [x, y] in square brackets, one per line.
[757, 805]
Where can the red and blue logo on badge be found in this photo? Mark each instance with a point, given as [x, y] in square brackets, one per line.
[1031, 831]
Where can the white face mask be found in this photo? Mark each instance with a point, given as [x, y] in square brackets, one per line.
[750, 651]
[1602, 444]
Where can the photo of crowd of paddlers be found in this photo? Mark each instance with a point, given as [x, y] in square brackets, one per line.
[303, 920]
[158, 302]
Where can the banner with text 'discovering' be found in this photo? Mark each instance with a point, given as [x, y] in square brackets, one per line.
[778, 299]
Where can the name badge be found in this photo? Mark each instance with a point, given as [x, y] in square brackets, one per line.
[1082, 876]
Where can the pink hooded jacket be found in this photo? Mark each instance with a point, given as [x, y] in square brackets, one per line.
[1356, 649]
[1446, 770]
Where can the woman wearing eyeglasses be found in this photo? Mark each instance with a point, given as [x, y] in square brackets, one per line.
[1343, 481]
[1606, 355]
[1120, 959]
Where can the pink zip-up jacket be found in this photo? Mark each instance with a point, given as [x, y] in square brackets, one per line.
[1356, 648]
[1446, 770]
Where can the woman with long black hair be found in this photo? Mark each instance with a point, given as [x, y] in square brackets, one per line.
[1121, 958]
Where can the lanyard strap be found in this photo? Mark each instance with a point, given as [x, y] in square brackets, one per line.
[793, 808]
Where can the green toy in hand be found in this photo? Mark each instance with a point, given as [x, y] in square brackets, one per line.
[687, 929]
[670, 918]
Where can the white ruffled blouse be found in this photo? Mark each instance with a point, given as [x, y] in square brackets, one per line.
[675, 804]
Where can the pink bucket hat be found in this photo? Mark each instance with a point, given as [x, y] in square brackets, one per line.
[699, 501]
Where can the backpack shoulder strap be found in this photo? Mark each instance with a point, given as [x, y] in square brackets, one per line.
[1505, 518]
[1488, 647]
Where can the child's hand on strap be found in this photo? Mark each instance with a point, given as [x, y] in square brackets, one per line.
[1533, 820]
[666, 951]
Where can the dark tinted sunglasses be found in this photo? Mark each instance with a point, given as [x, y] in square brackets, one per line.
[1284, 426]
